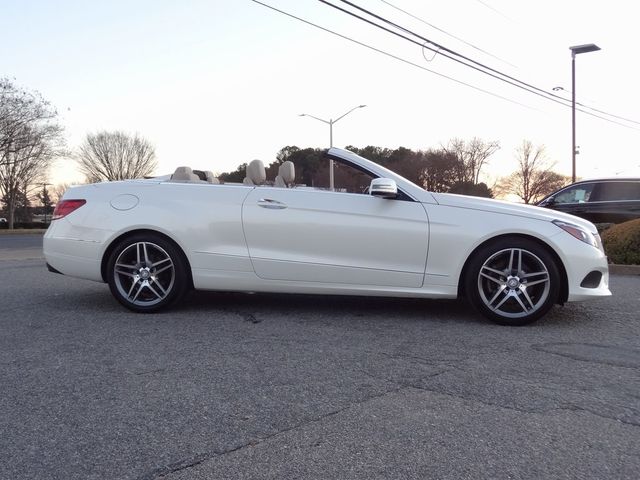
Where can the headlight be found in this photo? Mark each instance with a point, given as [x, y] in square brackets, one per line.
[579, 233]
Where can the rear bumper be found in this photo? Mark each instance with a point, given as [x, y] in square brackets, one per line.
[71, 256]
[53, 270]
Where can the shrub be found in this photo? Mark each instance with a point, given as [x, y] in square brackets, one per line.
[603, 226]
[622, 243]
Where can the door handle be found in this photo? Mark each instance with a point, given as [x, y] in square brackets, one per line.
[272, 204]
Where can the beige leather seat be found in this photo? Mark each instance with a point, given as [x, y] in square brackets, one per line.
[210, 177]
[184, 174]
[286, 175]
[256, 173]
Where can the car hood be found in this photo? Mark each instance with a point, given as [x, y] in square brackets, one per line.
[509, 208]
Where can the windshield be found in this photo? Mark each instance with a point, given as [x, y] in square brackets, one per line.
[375, 169]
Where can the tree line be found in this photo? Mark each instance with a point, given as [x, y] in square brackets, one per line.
[452, 168]
[32, 138]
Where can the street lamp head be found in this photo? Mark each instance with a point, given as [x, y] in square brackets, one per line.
[589, 47]
[361, 106]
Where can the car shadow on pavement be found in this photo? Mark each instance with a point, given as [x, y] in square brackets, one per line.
[332, 306]
[256, 307]
[397, 308]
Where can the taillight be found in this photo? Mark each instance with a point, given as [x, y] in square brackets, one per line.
[65, 207]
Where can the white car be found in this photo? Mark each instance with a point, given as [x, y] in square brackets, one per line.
[152, 240]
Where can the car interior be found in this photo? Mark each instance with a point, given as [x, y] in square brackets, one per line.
[256, 175]
[187, 175]
[347, 179]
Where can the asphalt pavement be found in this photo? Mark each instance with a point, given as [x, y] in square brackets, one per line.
[274, 386]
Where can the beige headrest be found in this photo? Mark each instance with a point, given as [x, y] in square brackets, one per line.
[210, 177]
[287, 171]
[184, 174]
[256, 172]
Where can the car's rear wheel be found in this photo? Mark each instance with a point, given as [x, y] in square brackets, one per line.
[147, 273]
[512, 281]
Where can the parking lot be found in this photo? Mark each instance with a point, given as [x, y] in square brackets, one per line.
[274, 386]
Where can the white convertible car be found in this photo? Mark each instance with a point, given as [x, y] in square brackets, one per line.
[152, 240]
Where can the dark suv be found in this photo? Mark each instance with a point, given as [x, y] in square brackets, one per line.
[611, 200]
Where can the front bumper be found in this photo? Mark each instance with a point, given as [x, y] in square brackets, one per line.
[581, 262]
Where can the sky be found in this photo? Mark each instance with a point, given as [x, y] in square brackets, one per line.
[213, 84]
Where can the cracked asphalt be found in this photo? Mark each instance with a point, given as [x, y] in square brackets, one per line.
[273, 386]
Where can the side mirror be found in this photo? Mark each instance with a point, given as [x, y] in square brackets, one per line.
[383, 187]
[549, 201]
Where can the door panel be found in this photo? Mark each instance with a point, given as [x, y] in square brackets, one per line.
[321, 236]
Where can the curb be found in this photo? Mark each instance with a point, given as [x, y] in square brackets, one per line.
[624, 269]
[23, 231]
[19, 255]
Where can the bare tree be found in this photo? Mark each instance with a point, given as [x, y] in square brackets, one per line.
[30, 139]
[472, 156]
[534, 177]
[106, 156]
[58, 191]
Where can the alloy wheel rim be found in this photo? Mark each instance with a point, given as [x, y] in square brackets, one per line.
[514, 283]
[144, 274]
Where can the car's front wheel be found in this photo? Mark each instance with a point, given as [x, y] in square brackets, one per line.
[147, 273]
[512, 281]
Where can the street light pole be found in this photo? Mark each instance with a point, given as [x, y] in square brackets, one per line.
[573, 117]
[330, 122]
[590, 47]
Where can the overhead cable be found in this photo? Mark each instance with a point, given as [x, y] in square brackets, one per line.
[415, 17]
[450, 54]
[462, 59]
[403, 60]
[494, 9]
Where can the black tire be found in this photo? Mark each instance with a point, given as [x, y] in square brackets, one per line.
[147, 273]
[512, 281]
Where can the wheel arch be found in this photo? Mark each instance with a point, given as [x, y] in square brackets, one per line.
[119, 238]
[564, 282]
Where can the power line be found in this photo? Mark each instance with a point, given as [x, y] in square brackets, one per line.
[477, 65]
[403, 60]
[447, 33]
[500, 13]
[494, 9]
[408, 62]
[556, 98]
[606, 113]
[549, 94]
[599, 111]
